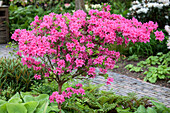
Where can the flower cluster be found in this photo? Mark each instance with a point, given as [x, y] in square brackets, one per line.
[109, 79]
[60, 98]
[144, 7]
[155, 10]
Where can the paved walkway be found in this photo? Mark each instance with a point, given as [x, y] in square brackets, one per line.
[122, 84]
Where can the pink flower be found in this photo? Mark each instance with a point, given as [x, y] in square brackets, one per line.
[79, 85]
[68, 57]
[159, 35]
[109, 79]
[47, 74]
[61, 63]
[57, 97]
[79, 62]
[37, 76]
[92, 71]
[90, 45]
[19, 53]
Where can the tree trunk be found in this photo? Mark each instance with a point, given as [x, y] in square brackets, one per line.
[60, 92]
[80, 5]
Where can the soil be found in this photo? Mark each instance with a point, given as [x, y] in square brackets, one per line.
[137, 75]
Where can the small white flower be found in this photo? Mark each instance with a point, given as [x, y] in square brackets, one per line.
[164, 1]
[142, 10]
[135, 2]
[166, 4]
[167, 28]
[166, 17]
[96, 6]
[73, 11]
[134, 7]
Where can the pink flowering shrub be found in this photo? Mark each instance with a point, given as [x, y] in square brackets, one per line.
[67, 43]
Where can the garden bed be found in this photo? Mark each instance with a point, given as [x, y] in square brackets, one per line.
[137, 75]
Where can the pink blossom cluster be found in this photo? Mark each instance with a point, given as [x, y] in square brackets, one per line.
[159, 35]
[60, 98]
[109, 79]
[37, 76]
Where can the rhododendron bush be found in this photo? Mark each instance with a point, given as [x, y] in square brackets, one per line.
[74, 45]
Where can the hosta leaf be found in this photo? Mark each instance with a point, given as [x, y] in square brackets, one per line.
[2, 102]
[152, 79]
[150, 110]
[141, 109]
[16, 108]
[28, 98]
[3, 108]
[31, 106]
[15, 100]
[161, 76]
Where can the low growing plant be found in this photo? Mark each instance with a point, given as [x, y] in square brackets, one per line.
[158, 108]
[158, 67]
[154, 73]
[133, 68]
[28, 103]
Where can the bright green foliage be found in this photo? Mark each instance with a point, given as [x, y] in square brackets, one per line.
[15, 77]
[158, 67]
[133, 58]
[133, 68]
[27, 103]
[96, 101]
[158, 108]
[153, 73]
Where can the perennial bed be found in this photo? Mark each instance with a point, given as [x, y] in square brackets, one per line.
[137, 75]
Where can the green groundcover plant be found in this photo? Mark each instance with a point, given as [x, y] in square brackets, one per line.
[68, 46]
[94, 101]
[157, 67]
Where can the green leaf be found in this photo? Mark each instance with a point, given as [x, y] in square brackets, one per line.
[2, 102]
[16, 108]
[15, 100]
[42, 97]
[28, 98]
[43, 108]
[141, 109]
[3, 108]
[31, 106]
[150, 110]
[152, 79]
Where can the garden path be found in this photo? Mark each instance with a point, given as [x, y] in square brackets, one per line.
[122, 84]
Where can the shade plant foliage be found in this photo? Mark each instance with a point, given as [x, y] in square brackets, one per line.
[68, 46]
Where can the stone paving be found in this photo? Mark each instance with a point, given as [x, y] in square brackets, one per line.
[122, 84]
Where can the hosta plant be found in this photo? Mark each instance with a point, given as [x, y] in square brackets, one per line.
[69, 46]
[27, 103]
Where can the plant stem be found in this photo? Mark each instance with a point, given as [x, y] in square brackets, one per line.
[60, 92]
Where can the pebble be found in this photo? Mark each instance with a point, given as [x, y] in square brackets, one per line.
[122, 84]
